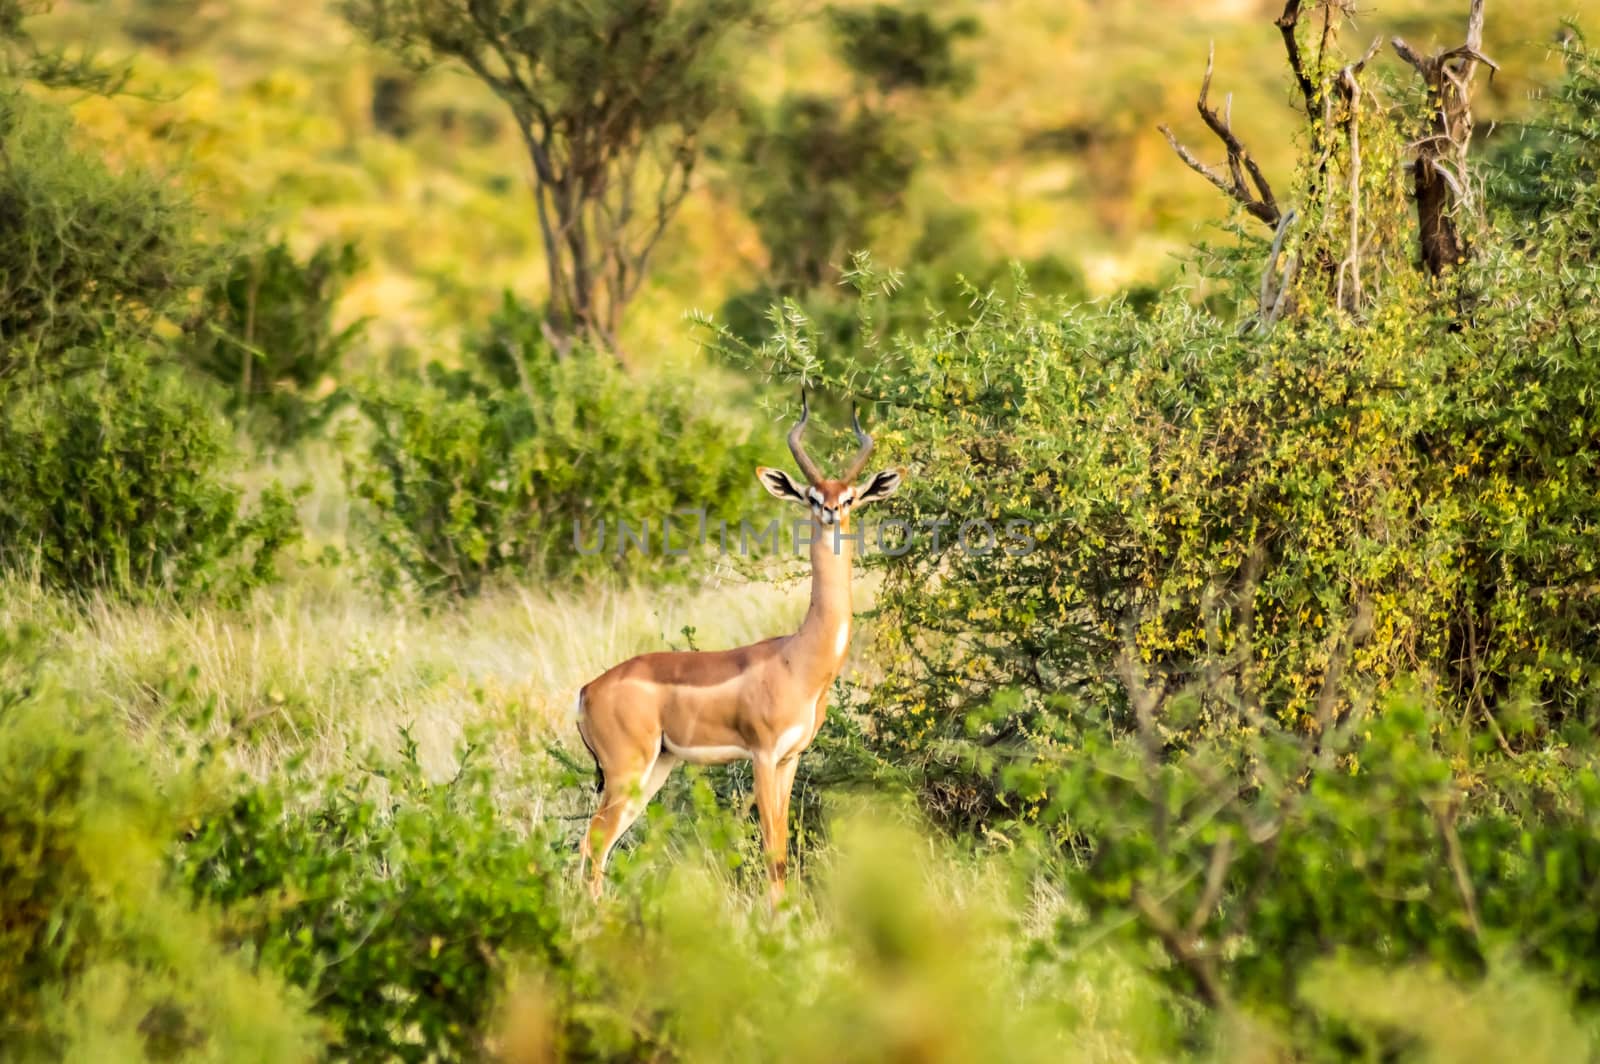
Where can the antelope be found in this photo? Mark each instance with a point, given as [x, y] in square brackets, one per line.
[763, 703]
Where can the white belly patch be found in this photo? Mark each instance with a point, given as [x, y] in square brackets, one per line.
[706, 755]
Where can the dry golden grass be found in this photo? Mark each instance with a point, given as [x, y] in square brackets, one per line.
[327, 672]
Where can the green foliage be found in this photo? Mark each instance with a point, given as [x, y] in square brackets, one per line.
[1296, 512]
[524, 468]
[391, 900]
[1233, 540]
[1553, 161]
[98, 959]
[265, 330]
[22, 59]
[825, 175]
[1247, 856]
[881, 962]
[1418, 1014]
[85, 252]
[118, 480]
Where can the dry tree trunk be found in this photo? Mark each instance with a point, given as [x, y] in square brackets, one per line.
[1441, 186]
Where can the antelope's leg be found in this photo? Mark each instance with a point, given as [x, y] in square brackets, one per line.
[786, 771]
[619, 810]
[774, 827]
[604, 830]
[663, 767]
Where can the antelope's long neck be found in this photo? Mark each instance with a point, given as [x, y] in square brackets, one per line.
[825, 633]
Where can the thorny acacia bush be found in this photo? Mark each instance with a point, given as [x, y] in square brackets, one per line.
[393, 901]
[113, 472]
[1222, 499]
[1258, 852]
[1247, 532]
[522, 463]
[85, 252]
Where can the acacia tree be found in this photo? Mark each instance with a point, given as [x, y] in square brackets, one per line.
[611, 98]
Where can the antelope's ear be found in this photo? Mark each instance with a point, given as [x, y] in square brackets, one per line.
[780, 485]
[881, 486]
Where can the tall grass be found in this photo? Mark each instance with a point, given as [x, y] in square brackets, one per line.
[313, 672]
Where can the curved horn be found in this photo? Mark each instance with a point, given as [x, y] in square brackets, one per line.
[862, 455]
[807, 466]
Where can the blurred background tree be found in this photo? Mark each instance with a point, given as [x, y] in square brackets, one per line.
[823, 175]
[265, 331]
[611, 101]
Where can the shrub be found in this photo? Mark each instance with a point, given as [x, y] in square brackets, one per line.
[392, 902]
[265, 331]
[504, 470]
[1241, 534]
[901, 950]
[1397, 486]
[117, 480]
[99, 958]
[1247, 857]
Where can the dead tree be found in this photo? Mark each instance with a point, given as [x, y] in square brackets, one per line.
[1255, 196]
[1440, 182]
[1333, 99]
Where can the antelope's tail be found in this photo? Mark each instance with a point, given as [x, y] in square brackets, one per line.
[577, 714]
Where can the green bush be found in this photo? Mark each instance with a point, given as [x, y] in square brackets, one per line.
[265, 331]
[1240, 528]
[112, 473]
[100, 958]
[1248, 857]
[391, 901]
[1296, 511]
[117, 480]
[506, 470]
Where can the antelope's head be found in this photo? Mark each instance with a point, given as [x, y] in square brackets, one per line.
[831, 501]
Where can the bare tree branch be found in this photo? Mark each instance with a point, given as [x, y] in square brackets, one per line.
[1180, 947]
[1287, 23]
[1350, 90]
[1445, 818]
[1272, 295]
[1216, 879]
[1254, 195]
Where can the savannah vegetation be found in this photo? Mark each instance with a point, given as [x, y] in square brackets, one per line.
[322, 326]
